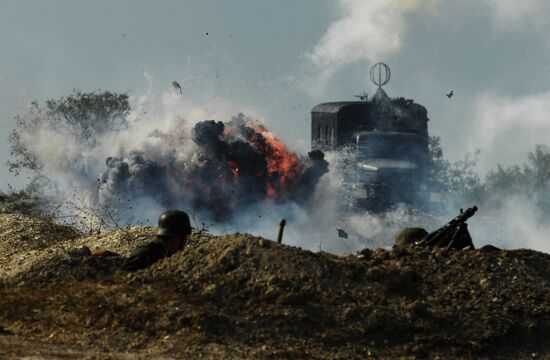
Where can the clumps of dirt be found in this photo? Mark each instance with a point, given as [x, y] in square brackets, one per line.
[25, 239]
[71, 266]
[57, 251]
[417, 301]
[19, 233]
[241, 296]
[21, 202]
[123, 241]
[250, 269]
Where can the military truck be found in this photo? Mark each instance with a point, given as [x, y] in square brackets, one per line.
[389, 139]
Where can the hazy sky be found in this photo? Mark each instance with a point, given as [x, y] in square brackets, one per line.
[277, 59]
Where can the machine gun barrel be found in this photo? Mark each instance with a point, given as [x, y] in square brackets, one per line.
[449, 229]
[463, 216]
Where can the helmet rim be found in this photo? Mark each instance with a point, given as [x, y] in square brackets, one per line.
[174, 223]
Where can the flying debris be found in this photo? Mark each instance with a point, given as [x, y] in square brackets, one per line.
[342, 233]
[177, 86]
[450, 95]
[233, 167]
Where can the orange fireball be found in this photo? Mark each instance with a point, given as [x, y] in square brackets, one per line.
[283, 166]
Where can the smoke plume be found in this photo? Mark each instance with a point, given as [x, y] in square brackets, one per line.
[368, 30]
[226, 168]
[510, 15]
[237, 176]
[498, 119]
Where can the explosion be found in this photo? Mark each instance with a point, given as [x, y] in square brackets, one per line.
[283, 167]
[216, 168]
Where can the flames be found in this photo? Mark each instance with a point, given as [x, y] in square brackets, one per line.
[234, 168]
[229, 167]
[283, 166]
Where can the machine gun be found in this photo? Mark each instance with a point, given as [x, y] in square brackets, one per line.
[454, 234]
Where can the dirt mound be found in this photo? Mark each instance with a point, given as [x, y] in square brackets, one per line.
[23, 233]
[23, 201]
[123, 241]
[24, 239]
[241, 296]
[72, 261]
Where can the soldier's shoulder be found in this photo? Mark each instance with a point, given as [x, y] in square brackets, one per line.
[409, 235]
[152, 246]
[144, 255]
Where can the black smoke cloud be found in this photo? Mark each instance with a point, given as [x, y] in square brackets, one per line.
[231, 167]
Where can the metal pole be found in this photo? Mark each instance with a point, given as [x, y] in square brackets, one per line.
[281, 230]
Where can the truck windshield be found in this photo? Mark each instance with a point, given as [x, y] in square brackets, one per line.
[391, 145]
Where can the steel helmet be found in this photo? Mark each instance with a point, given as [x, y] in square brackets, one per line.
[174, 223]
[408, 236]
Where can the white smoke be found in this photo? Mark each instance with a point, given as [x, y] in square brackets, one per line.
[172, 112]
[315, 226]
[368, 30]
[75, 167]
[515, 224]
[511, 15]
[507, 128]
[374, 30]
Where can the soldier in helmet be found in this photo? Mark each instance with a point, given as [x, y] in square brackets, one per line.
[173, 229]
[409, 236]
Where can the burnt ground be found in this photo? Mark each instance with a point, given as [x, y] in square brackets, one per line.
[240, 296]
